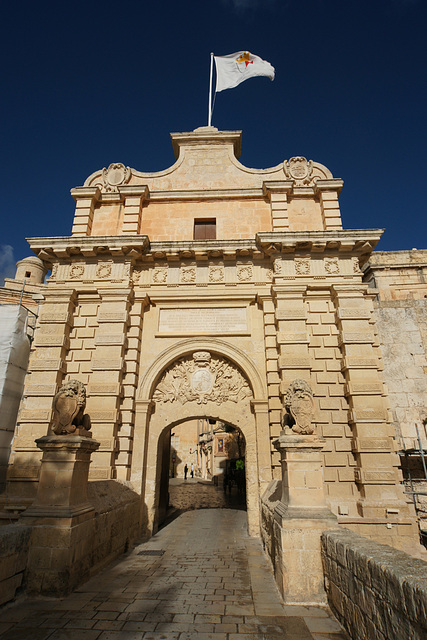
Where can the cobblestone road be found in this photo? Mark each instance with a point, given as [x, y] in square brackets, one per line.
[200, 577]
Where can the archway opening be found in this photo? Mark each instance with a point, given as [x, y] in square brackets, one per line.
[202, 466]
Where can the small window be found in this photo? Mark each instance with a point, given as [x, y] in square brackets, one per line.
[28, 274]
[205, 229]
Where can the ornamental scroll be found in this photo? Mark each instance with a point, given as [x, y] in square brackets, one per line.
[202, 378]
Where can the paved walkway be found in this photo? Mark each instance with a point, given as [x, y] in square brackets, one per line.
[200, 577]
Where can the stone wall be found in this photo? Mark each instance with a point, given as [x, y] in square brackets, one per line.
[14, 544]
[376, 592]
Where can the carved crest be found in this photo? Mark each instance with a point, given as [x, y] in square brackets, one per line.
[299, 406]
[115, 176]
[202, 378]
[299, 169]
[68, 409]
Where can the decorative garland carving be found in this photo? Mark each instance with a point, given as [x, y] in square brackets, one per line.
[77, 271]
[160, 275]
[299, 406]
[244, 273]
[202, 378]
[216, 274]
[188, 274]
[103, 270]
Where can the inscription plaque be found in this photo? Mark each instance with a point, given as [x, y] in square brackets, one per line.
[203, 320]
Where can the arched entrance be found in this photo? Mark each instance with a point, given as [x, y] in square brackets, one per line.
[202, 467]
[195, 379]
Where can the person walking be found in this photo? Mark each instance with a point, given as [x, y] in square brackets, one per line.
[192, 470]
[185, 471]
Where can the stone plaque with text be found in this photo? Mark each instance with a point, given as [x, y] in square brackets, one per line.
[203, 320]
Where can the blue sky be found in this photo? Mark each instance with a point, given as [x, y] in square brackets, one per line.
[90, 83]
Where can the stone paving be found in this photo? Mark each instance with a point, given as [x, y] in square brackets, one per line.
[200, 577]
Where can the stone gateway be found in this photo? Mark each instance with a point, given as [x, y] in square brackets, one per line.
[211, 290]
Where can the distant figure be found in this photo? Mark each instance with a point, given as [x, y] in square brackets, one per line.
[185, 472]
[192, 470]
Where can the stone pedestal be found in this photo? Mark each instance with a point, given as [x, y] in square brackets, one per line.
[301, 515]
[61, 516]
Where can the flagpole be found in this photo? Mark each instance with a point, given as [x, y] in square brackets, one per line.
[210, 93]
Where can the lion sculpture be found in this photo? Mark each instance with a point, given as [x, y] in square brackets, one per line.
[68, 407]
[299, 406]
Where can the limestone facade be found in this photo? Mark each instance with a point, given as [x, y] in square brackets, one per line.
[203, 291]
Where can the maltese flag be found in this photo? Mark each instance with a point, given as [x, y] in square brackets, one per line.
[233, 69]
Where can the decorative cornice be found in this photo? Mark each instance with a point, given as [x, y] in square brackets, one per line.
[359, 243]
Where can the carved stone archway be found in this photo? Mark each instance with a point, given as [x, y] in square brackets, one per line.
[195, 379]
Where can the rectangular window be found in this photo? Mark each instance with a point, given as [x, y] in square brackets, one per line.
[205, 229]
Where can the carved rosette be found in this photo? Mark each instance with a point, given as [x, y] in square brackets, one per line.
[302, 266]
[115, 176]
[202, 378]
[299, 406]
[68, 406]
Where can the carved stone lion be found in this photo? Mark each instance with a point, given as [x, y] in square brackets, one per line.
[68, 409]
[299, 407]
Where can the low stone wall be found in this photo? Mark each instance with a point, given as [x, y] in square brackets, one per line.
[116, 524]
[61, 557]
[376, 592]
[14, 544]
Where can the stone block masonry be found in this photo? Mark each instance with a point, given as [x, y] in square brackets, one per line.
[377, 593]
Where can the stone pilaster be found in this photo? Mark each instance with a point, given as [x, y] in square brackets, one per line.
[86, 199]
[277, 193]
[292, 338]
[133, 202]
[105, 388]
[329, 191]
[45, 375]
[376, 472]
[130, 387]
[273, 379]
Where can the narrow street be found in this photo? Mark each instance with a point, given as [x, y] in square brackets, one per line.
[200, 577]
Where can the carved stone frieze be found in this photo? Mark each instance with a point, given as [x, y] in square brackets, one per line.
[299, 408]
[76, 271]
[302, 266]
[332, 266]
[244, 272]
[103, 270]
[136, 274]
[160, 275]
[202, 378]
[188, 274]
[216, 274]
[115, 176]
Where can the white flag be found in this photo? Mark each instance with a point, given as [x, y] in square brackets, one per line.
[233, 69]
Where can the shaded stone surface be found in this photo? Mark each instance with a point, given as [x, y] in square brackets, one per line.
[212, 582]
